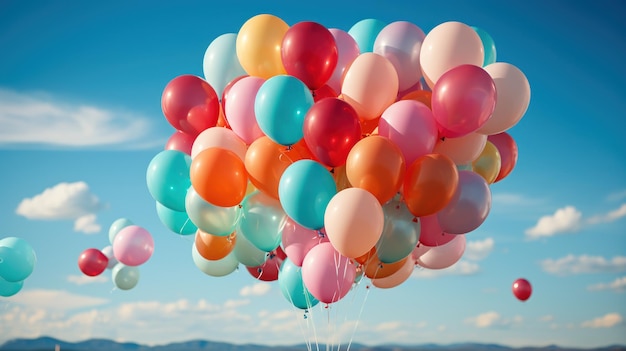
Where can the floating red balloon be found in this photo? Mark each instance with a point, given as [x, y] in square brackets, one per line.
[92, 262]
[522, 289]
[508, 153]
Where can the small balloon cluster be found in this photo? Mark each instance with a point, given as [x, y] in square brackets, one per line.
[317, 156]
[17, 262]
[131, 246]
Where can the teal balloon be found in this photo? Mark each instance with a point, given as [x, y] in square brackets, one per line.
[292, 286]
[17, 259]
[305, 189]
[247, 253]
[176, 221]
[488, 45]
[211, 219]
[168, 179]
[116, 226]
[280, 107]
[262, 221]
[220, 64]
[365, 32]
[125, 277]
[400, 233]
[10, 288]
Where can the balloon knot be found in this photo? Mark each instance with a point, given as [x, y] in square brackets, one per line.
[289, 147]
[259, 270]
[332, 170]
[320, 234]
[414, 219]
[443, 138]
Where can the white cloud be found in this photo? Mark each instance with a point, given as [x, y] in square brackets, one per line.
[84, 279]
[607, 321]
[236, 303]
[564, 220]
[547, 318]
[36, 119]
[257, 289]
[492, 319]
[618, 285]
[478, 250]
[460, 268]
[55, 300]
[571, 264]
[617, 196]
[608, 217]
[64, 201]
[511, 199]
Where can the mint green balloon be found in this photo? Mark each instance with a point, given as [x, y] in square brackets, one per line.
[247, 253]
[17, 259]
[211, 219]
[262, 221]
[116, 226]
[365, 32]
[220, 64]
[214, 268]
[125, 277]
[400, 233]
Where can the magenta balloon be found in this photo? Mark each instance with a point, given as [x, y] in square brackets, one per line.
[443, 256]
[297, 240]
[347, 50]
[463, 100]
[469, 206]
[411, 126]
[431, 233]
[327, 274]
[133, 245]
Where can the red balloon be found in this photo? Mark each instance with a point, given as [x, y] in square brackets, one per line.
[180, 141]
[508, 153]
[323, 92]
[268, 271]
[431, 233]
[331, 128]
[92, 262]
[309, 53]
[190, 104]
[522, 289]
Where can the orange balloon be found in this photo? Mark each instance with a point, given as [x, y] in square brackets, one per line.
[375, 269]
[366, 257]
[430, 183]
[377, 165]
[368, 126]
[219, 177]
[221, 119]
[213, 247]
[423, 96]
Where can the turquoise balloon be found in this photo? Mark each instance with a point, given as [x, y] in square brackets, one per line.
[10, 288]
[220, 64]
[262, 221]
[176, 221]
[305, 189]
[488, 45]
[280, 107]
[116, 226]
[292, 286]
[17, 259]
[125, 277]
[365, 32]
[168, 179]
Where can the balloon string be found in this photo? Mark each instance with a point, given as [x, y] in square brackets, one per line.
[307, 341]
[310, 321]
[358, 320]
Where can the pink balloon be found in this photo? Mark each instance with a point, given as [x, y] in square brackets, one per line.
[327, 274]
[463, 100]
[133, 245]
[180, 141]
[411, 126]
[298, 240]
[469, 206]
[348, 50]
[239, 108]
[219, 137]
[443, 256]
[431, 233]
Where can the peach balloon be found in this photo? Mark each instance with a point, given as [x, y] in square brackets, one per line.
[259, 43]
[462, 150]
[396, 278]
[219, 137]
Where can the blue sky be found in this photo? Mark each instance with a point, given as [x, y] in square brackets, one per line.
[80, 120]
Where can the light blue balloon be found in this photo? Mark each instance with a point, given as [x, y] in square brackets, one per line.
[488, 45]
[280, 107]
[365, 32]
[211, 219]
[125, 277]
[168, 178]
[400, 233]
[292, 286]
[116, 226]
[304, 190]
[221, 64]
[17, 259]
[176, 221]
[262, 221]
[10, 288]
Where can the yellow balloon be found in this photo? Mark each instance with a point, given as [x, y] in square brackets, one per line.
[488, 163]
[259, 43]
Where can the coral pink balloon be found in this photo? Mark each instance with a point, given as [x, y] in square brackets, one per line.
[298, 240]
[507, 147]
[411, 126]
[462, 150]
[327, 274]
[347, 50]
[396, 278]
[431, 233]
[219, 137]
[239, 108]
[463, 100]
[133, 245]
[180, 141]
[443, 256]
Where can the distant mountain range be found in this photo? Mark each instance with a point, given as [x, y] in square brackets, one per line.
[49, 344]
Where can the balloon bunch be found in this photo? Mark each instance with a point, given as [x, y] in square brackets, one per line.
[317, 156]
[17, 262]
[131, 246]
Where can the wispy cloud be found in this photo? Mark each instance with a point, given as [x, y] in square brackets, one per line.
[607, 321]
[478, 250]
[257, 289]
[64, 201]
[55, 299]
[571, 264]
[84, 279]
[41, 120]
[462, 267]
[617, 196]
[492, 319]
[618, 285]
[512, 199]
[569, 220]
